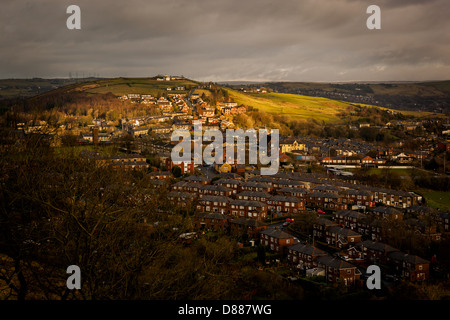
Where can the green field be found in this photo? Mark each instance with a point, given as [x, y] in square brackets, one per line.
[292, 105]
[380, 171]
[10, 88]
[75, 151]
[303, 107]
[437, 199]
[121, 86]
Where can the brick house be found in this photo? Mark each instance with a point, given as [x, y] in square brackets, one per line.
[336, 269]
[255, 186]
[320, 227]
[327, 188]
[341, 237]
[232, 184]
[192, 187]
[211, 220]
[325, 200]
[375, 252]
[269, 180]
[299, 193]
[387, 213]
[304, 256]
[428, 230]
[186, 167]
[215, 190]
[197, 179]
[254, 195]
[210, 203]
[276, 239]
[251, 227]
[359, 197]
[160, 175]
[278, 184]
[348, 218]
[409, 267]
[395, 198]
[285, 205]
[445, 221]
[182, 199]
[247, 209]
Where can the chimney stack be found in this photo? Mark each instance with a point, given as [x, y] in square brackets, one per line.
[95, 135]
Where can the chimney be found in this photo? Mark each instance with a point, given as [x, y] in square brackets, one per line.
[95, 135]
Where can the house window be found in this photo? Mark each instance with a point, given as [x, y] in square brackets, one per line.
[288, 241]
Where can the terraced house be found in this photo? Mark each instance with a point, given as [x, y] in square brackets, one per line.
[359, 197]
[210, 203]
[326, 200]
[321, 226]
[304, 256]
[215, 190]
[337, 269]
[341, 237]
[232, 184]
[348, 218]
[212, 220]
[387, 213]
[251, 227]
[375, 252]
[299, 193]
[276, 239]
[183, 199]
[409, 267]
[254, 195]
[247, 209]
[255, 186]
[394, 198]
[285, 205]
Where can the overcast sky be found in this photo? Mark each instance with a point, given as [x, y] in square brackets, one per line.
[217, 40]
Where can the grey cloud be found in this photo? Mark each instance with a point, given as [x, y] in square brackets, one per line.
[308, 40]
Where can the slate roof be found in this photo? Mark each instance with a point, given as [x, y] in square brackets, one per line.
[378, 246]
[249, 203]
[343, 231]
[333, 262]
[307, 249]
[276, 233]
[249, 222]
[401, 256]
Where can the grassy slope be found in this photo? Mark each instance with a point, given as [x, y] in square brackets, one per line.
[302, 107]
[431, 89]
[10, 88]
[121, 86]
[437, 199]
[295, 106]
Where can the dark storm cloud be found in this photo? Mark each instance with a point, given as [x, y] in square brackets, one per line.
[308, 40]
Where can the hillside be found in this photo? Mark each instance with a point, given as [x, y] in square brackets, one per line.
[100, 94]
[11, 88]
[426, 96]
[301, 107]
[121, 86]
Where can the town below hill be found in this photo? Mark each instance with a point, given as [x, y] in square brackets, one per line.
[87, 178]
